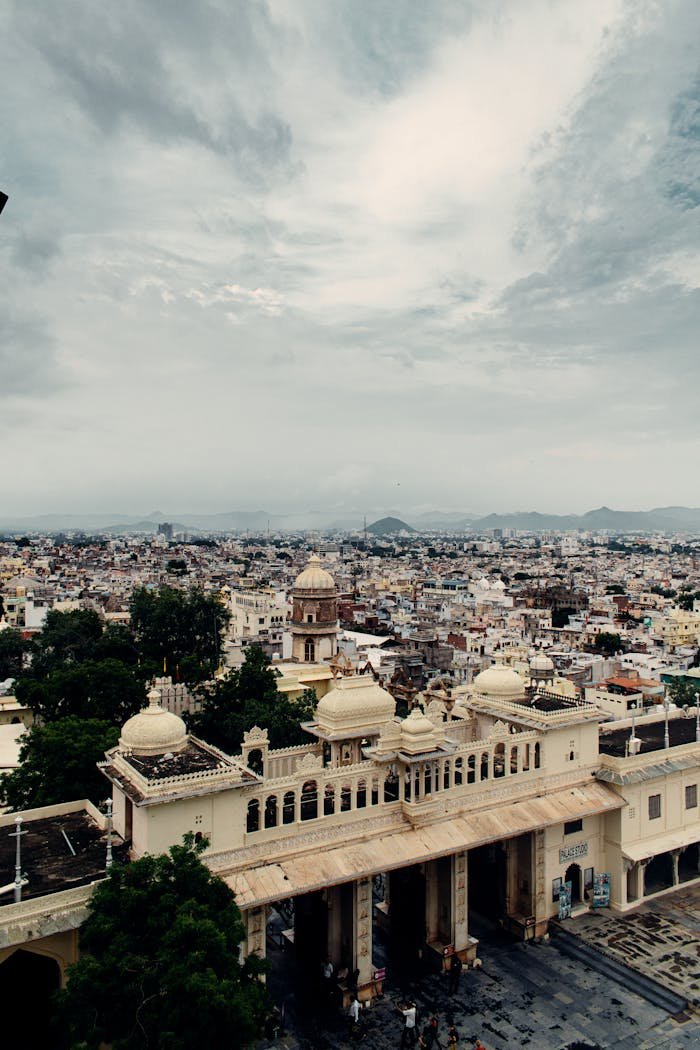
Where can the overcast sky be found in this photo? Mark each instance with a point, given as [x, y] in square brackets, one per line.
[349, 253]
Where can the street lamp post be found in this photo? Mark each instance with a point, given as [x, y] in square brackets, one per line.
[17, 834]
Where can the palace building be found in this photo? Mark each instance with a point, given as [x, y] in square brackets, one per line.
[490, 805]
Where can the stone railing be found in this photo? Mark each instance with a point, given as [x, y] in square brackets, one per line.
[41, 916]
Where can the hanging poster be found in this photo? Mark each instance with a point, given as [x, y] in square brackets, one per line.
[565, 901]
[601, 889]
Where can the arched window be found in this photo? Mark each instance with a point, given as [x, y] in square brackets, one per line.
[309, 650]
[537, 755]
[514, 760]
[271, 811]
[345, 798]
[255, 761]
[446, 775]
[391, 788]
[471, 769]
[361, 794]
[484, 766]
[329, 800]
[374, 799]
[288, 808]
[459, 766]
[499, 760]
[253, 821]
[526, 758]
[309, 801]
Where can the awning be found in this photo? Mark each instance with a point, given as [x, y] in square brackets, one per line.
[274, 881]
[661, 844]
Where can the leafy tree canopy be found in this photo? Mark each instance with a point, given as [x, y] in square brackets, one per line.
[57, 764]
[184, 628]
[682, 692]
[12, 650]
[686, 598]
[102, 689]
[248, 696]
[608, 643]
[159, 966]
[66, 638]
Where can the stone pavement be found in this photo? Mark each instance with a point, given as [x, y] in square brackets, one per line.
[526, 995]
[661, 939]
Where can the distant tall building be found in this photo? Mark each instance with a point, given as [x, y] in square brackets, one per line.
[166, 529]
[314, 622]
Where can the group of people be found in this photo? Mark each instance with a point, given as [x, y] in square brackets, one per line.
[430, 1036]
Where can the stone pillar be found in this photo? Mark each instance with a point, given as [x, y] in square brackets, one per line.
[432, 901]
[641, 868]
[675, 857]
[335, 924]
[362, 940]
[540, 894]
[460, 902]
[255, 921]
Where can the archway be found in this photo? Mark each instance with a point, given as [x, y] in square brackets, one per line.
[658, 874]
[406, 919]
[28, 981]
[689, 863]
[487, 880]
[573, 875]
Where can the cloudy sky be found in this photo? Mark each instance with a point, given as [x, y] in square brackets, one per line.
[349, 253]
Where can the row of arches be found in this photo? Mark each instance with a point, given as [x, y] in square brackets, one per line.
[424, 778]
[310, 803]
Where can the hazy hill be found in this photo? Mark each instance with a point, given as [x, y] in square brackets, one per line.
[388, 527]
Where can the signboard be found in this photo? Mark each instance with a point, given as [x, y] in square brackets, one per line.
[565, 901]
[601, 889]
[573, 852]
[379, 975]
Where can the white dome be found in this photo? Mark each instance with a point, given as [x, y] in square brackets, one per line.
[356, 702]
[501, 682]
[314, 577]
[418, 733]
[153, 731]
[541, 663]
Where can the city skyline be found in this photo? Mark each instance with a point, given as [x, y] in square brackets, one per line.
[362, 254]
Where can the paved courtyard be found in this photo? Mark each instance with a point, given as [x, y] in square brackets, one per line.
[526, 995]
[661, 939]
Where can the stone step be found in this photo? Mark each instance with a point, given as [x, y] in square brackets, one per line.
[646, 987]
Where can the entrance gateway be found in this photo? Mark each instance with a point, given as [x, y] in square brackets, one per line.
[463, 804]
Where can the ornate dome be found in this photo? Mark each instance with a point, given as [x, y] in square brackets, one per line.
[418, 733]
[153, 731]
[500, 682]
[355, 703]
[541, 665]
[314, 577]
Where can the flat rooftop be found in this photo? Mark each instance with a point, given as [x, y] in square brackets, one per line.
[47, 860]
[192, 759]
[651, 734]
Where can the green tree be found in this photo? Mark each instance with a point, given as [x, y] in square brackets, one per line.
[248, 696]
[184, 628]
[607, 643]
[58, 764]
[104, 689]
[159, 966]
[66, 638]
[686, 598]
[682, 691]
[12, 651]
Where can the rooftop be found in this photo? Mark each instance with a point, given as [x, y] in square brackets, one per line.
[651, 734]
[192, 759]
[48, 863]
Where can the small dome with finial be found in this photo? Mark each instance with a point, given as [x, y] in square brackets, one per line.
[153, 731]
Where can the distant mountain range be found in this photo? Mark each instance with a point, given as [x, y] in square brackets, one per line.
[661, 519]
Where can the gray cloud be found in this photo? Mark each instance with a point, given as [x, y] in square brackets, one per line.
[443, 246]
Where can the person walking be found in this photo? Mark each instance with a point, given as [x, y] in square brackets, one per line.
[408, 1036]
[455, 971]
[429, 1038]
[452, 1038]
